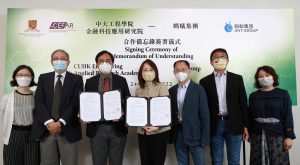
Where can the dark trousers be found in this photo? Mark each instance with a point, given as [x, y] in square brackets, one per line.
[106, 144]
[153, 148]
[20, 149]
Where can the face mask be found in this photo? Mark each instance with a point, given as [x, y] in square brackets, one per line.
[220, 64]
[60, 66]
[105, 68]
[148, 75]
[266, 81]
[23, 81]
[181, 76]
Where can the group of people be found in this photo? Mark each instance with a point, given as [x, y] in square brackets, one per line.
[43, 127]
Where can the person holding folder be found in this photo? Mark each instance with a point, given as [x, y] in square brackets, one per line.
[152, 140]
[190, 114]
[107, 138]
[56, 123]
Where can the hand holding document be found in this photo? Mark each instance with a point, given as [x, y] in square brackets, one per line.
[112, 105]
[144, 111]
[160, 111]
[99, 107]
[90, 106]
[136, 111]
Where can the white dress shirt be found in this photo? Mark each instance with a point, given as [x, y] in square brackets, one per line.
[62, 82]
[220, 80]
[181, 91]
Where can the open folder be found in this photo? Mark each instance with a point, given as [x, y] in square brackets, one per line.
[155, 111]
[100, 107]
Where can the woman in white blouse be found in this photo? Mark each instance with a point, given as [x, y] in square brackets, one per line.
[18, 109]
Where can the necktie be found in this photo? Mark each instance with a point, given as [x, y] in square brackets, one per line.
[106, 84]
[56, 98]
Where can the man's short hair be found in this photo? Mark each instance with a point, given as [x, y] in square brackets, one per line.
[218, 50]
[104, 52]
[184, 61]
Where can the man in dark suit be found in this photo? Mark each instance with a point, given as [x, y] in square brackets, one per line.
[56, 123]
[108, 138]
[190, 116]
[227, 103]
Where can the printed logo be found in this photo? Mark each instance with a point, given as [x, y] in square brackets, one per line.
[32, 26]
[240, 28]
[61, 25]
[228, 27]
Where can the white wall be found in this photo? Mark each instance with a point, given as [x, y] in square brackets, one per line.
[131, 153]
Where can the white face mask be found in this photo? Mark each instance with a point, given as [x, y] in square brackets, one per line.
[220, 64]
[105, 68]
[148, 75]
[181, 76]
[60, 66]
[23, 81]
[266, 81]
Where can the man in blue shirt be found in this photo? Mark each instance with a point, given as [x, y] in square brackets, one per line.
[227, 103]
[190, 116]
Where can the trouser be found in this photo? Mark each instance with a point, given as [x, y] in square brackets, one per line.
[106, 144]
[56, 148]
[20, 149]
[233, 144]
[153, 148]
[182, 151]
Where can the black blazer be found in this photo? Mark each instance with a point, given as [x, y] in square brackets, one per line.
[119, 83]
[195, 115]
[236, 102]
[68, 109]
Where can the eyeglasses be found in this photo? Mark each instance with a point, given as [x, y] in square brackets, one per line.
[61, 59]
[223, 57]
[104, 60]
[23, 75]
[181, 70]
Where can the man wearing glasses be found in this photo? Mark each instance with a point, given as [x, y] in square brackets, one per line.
[107, 138]
[56, 123]
[227, 103]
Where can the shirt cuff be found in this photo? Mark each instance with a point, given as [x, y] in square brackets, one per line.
[290, 134]
[48, 121]
[63, 121]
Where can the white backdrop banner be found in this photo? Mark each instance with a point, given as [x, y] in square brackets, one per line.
[252, 37]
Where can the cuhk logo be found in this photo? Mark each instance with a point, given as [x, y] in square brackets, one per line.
[32, 26]
[228, 27]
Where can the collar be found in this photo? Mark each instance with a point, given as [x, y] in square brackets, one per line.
[149, 84]
[103, 76]
[185, 85]
[220, 75]
[62, 74]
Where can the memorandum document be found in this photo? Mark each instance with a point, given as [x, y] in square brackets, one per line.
[100, 107]
[155, 111]
[90, 106]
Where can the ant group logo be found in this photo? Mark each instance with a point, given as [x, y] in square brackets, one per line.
[240, 27]
[228, 27]
[32, 26]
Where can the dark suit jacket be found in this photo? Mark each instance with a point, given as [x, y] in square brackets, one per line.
[195, 115]
[118, 83]
[236, 102]
[68, 109]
